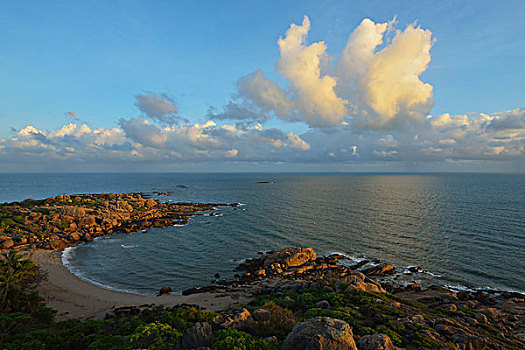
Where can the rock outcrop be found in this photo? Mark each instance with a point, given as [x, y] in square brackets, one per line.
[165, 290]
[375, 342]
[320, 333]
[234, 318]
[199, 335]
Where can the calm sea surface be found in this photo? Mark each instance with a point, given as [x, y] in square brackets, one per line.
[466, 229]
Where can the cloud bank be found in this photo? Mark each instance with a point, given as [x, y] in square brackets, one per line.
[365, 105]
[440, 138]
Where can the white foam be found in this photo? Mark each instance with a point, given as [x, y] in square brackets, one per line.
[348, 256]
[67, 256]
[128, 246]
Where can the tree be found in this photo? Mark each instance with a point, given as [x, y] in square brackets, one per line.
[18, 276]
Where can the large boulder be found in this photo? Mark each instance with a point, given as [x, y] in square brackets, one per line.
[6, 243]
[375, 342]
[235, 318]
[74, 236]
[280, 259]
[165, 290]
[55, 244]
[150, 202]
[380, 269]
[296, 256]
[73, 211]
[197, 336]
[89, 220]
[359, 282]
[320, 333]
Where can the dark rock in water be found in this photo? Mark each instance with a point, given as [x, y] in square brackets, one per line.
[375, 342]
[217, 275]
[380, 269]
[165, 290]
[320, 333]
[265, 182]
[359, 265]
[197, 336]
[182, 186]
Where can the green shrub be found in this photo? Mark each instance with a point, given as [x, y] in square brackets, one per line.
[306, 301]
[279, 324]
[8, 222]
[231, 339]
[154, 336]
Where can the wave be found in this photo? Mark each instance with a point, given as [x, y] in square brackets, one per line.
[67, 256]
[128, 246]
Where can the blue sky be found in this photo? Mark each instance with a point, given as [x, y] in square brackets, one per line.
[93, 57]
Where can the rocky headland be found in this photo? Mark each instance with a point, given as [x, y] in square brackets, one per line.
[66, 220]
[338, 303]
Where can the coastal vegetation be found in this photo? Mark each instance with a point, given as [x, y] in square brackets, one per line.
[297, 299]
[412, 319]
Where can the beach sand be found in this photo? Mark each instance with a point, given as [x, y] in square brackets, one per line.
[75, 298]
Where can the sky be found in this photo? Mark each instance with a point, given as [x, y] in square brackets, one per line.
[353, 86]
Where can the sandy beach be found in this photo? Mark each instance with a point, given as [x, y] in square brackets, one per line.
[75, 298]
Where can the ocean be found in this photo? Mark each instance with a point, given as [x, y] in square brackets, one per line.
[462, 230]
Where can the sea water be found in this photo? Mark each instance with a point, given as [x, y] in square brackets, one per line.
[460, 229]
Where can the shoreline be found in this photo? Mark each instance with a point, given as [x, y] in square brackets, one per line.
[307, 284]
[73, 297]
